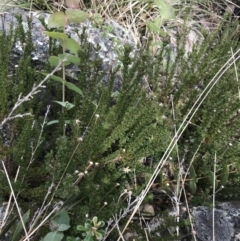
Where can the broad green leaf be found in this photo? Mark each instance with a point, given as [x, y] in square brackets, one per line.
[61, 217]
[69, 85]
[70, 58]
[71, 45]
[81, 228]
[56, 35]
[63, 227]
[54, 236]
[57, 20]
[73, 87]
[53, 60]
[65, 104]
[76, 15]
[224, 175]
[19, 227]
[98, 236]
[56, 78]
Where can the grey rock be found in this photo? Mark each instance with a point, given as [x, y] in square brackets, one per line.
[226, 222]
[108, 43]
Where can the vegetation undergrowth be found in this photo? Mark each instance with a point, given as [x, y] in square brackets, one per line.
[99, 158]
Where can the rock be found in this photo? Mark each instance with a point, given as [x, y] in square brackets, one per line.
[226, 224]
[108, 43]
[105, 45]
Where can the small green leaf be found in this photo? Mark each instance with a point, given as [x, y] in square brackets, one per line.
[54, 60]
[52, 122]
[94, 220]
[70, 58]
[56, 35]
[76, 15]
[53, 236]
[73, 87]
[81, 228]
[98, 235]
[65, 104]
[88, 226]
[57, 121]
[63, 227]
[71, 45]
[102, 224]
[69, 85]
[61, 217]
[57, 20]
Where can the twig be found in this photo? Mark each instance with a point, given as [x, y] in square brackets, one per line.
[15, 200]
[214, 189]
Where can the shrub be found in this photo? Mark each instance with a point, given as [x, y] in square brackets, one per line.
[88, 161]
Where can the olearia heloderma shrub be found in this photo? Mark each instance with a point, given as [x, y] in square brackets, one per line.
[109, 132]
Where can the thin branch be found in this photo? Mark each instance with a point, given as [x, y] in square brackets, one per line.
[15, 200]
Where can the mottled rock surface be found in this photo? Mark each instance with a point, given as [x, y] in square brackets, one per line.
[108, 43]
[226, 222]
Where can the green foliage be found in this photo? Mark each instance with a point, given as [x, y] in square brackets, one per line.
[92, 229]
[109, 129]
[60, 223]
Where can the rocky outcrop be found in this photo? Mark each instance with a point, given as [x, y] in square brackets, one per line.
[106, 43]
[226, 222]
